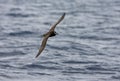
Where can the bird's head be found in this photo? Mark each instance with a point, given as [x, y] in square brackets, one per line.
[55, 33]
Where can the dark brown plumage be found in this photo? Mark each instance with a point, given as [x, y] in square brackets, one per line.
[51, 33]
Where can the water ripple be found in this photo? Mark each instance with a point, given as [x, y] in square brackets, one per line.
[21, 33]
[19, 15]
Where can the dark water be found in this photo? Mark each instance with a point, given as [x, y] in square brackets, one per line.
[87, 47]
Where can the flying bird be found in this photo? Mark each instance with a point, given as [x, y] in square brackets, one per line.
[50, 33]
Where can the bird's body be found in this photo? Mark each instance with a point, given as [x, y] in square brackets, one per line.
[51, 33]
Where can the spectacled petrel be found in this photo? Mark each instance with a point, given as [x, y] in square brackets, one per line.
[50, 33]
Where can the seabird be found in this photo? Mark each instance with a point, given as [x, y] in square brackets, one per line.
[51, 33]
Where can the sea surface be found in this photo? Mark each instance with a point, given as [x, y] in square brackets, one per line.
[87, 47]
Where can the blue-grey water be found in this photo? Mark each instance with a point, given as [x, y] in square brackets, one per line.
[87, 47]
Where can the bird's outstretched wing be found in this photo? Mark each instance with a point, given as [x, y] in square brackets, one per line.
[61, 18]
[43, 45]
[47, 35]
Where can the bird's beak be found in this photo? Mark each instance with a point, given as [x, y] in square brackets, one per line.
[56, 33]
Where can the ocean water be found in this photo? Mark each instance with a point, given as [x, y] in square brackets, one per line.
[87, 47]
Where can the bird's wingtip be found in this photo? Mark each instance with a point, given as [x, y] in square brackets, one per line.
[64, 13]
[36, 56]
